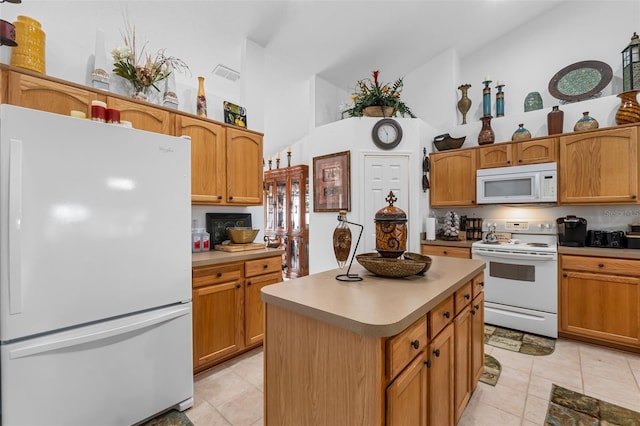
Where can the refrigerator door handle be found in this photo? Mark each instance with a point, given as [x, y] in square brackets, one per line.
[15, 219]
[89, 337]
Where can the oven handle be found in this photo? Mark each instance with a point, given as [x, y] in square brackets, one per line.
[511, 255]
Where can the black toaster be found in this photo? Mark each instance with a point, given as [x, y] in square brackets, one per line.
[606, 239]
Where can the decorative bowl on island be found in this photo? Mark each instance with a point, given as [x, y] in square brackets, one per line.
[409, 264]
[242, 235]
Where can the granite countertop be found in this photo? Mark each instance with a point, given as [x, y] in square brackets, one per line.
[465, 243]
[217, 257]
[375, 306]
[600, 252]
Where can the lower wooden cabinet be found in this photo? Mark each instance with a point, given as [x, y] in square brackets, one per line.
[462, 329]
[600, 300]
[228, 312]
[477, 339]
[451, 251]
[441, 378]
[407, 396]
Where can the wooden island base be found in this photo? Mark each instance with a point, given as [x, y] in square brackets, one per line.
[379, 352]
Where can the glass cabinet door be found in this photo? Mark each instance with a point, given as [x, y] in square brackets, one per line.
[281, 204]
[295, 204]
[269, 205]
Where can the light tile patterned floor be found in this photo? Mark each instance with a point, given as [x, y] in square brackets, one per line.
[231, 394]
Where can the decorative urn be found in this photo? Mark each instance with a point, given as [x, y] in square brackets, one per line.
[391, 229]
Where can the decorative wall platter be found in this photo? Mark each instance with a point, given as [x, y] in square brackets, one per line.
[580, 81]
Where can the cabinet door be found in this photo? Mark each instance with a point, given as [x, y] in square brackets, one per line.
[217, 322]
[477, 339]
[408, 394]
[44, 95]
[462, 364]
[495, 156]
[142, 116]
[537, 151]
[453, 178]
[600, 306]
[441, 379]
[461, 252]
[254, 307]
[207, 159]
[599, 167]
[244, 167]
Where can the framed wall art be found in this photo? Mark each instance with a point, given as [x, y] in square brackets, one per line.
[332, 182]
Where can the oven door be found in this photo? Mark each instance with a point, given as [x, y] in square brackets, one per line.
[522, 280]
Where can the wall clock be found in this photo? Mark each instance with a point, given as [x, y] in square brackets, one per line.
[386, 133]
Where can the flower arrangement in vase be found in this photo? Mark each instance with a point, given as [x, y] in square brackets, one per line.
[374, 99]
[141, 69]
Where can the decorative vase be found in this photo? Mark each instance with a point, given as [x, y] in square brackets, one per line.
[521, 133]
[555, 121]
[500, 100]
[391, 229]
[30, 51]
[342, 239]
[201, 101]
[139, 94]
[629, 110]
[586, 123]
[377, 111]
[486, 135]
[532, 102]
[464, 104]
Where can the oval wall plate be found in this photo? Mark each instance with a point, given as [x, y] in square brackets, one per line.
[580, 81]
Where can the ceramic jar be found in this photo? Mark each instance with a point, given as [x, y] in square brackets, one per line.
[521, 133]
[555, 120]
[586, 123]
[629, 110]
[391, 229]
[486, 135]
[29, 53]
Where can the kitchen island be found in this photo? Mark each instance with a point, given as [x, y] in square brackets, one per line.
[375, 352]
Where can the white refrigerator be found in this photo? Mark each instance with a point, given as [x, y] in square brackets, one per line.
[95, 271]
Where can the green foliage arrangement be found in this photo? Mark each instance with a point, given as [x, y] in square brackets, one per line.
[370, 92]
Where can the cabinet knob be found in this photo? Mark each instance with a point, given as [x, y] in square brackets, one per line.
[444, 252]
[436, 352]
[265, 266]
[481, 283]
[633, 197]
[447, 314]
[508, 162]
[473, 312]
[219, 197]
[248, 283]
[600, 265]
[230, 197]
[519, 161]
[415, 344]
[565, 275]
[467, 297]
[428, 363]
[238, 286]
[219, 274]
[476, 306]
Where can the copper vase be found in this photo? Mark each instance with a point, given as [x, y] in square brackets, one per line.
[464, 104]
[486, 135]
[629, 110]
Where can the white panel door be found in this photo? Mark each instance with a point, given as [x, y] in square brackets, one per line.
[383, 173]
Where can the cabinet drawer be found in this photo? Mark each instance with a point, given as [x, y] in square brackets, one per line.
[462, 252]
[462, 297]
[602, 264]
[402, 348]
[262, 266]
[478, 284]
[208, 275]
[440, 316]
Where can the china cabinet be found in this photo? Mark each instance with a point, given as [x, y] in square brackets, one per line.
[286, 212]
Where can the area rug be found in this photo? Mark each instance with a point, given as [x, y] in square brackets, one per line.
[170, 418]
[491, 372]
[518, 341]
[567, 407]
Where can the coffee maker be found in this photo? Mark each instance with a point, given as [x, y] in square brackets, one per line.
[572, 231]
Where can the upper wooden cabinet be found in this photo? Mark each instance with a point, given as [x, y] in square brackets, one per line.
[207, 159]
[226, 161]
[599, 167]
[518, 153]
[453, 178]
[145, 117]
[46, 95]
[244, 167]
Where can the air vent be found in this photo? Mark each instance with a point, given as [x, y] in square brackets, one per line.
[226, 72]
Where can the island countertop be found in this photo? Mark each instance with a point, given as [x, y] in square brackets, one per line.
[375, 306]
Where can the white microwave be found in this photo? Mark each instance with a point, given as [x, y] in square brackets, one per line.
[534, 183]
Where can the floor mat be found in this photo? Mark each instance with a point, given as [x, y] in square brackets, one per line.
[491, 372]
[567, 407]
[518, 341]
[170, 418]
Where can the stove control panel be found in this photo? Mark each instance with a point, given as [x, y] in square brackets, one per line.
[516, 226]
[528, 226]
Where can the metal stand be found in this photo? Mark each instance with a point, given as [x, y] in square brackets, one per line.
[351, 277]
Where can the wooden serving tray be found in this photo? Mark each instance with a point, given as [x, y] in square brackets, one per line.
[239, 247]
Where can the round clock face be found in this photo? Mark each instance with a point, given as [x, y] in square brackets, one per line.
[387, 133]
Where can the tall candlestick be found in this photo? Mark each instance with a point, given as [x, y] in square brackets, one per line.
[486, 97]
[288, 158]
[277, 155]
[289, 150]
[277, 161]
[269, 163]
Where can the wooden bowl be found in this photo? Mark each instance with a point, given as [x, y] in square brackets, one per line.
[241, 235]
[391, 267]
